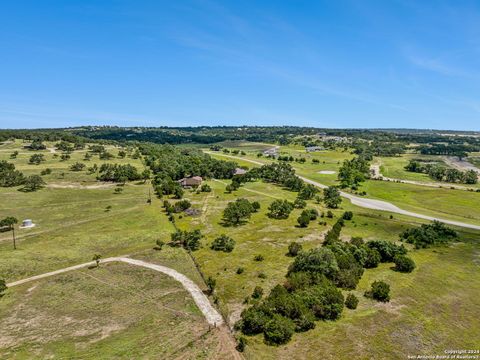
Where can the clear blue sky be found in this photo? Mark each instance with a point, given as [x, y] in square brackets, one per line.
[186, 63]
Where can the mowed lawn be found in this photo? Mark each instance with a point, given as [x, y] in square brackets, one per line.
[427, 299]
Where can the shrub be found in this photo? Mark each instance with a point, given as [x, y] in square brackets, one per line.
[257, 292]
[278, 330]
[240, 270]
[223, 243]
[78, 166]
[299, 203]
[256, 206]
[347, 215]
[387, 249]
[242, 343]
[280, 209]
[351, 301]
[205, 188]
[159, 244]
[380, 291]
[262, 275]
[372, 259]
[294, 248]
[253, 320]
[403, 263]
[3, 287]
[330, 214]
[259, 257]
[237, 212]
[182, 205]
[320, 260]
[303, 220]
[325, 301]
[429, 234]
[46, 171]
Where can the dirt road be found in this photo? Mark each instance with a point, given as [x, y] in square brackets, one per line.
[369, 203]
[211, 315]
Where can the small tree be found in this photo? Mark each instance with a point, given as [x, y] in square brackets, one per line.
[303, 220]
[331, 197]
[347, 215]
[279, 330]
[9, 222]
[3, 287]
[403, 263]
[97, 258]
[294, 248]
[351, 301]
[36, 159]
[205, 188]
[242, 343]
[33, 183]
[380, 291]
[211, 284]
[280, 209]
[223, 243]
[159, 244]
[257, 292]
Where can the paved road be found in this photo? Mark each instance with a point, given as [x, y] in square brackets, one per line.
[368, 203]
[211, 315]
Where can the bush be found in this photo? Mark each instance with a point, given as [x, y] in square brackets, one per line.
[347, 215]
[205, 188]
[303, 220]
[299, 203]
[182, 205]
[429, 234]
[223, 243]
[280, 209]
[256, 206]
[380, 291]
[259, 257]
[278, 330]
[372, 259]
[403, 263]
[240, 270]
[387, 249]
[77, 166]
[46, 171]
[257, 292]
[294, 248]
[320, 260]
[253, 321]
[242, 343]
[325, 301]
[351, 301]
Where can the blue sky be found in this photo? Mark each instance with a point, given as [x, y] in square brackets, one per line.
[409, 64]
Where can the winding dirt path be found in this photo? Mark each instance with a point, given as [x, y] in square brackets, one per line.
[211, 314]
[368, 203]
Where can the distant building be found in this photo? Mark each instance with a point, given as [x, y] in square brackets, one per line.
[313, 148]
[239, 171]
[273, 152]
[191, 181]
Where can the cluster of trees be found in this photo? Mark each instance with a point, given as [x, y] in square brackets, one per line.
[428, 235]
[331, 197]
[239, 211]
[306, 216]
[460, 150]
[440, 173]
[378, 147]
[170, 164]
[118, 173]
[290, 158]
[9, 176]
[280, 174]
[312, 292]
[177, 207]
[190, 240]
[353, 172]
[36, 159]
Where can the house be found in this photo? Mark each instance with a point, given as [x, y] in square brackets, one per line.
[273, 152]
[27, 223]
[192, 181]
[239, 171]
[313, 148]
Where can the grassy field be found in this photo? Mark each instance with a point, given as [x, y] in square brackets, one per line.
[118, 311]
[121, 311]
[387, 334]
[114, 311]
[445, 203]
